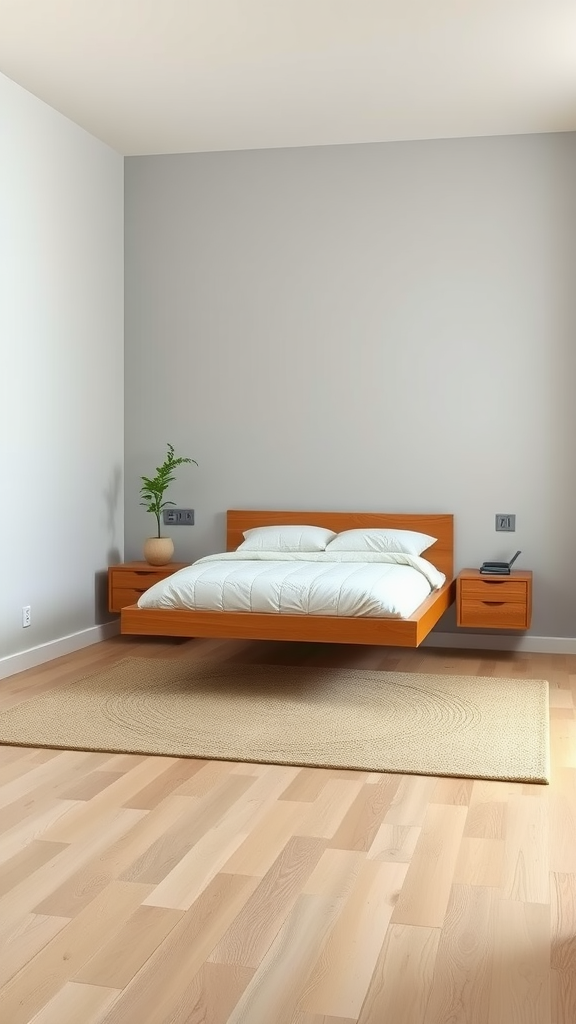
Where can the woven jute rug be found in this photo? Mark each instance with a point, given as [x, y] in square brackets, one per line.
[425, 724]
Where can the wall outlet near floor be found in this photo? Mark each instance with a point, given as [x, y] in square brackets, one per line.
[26, 615]
[505, 523]
[178, 517]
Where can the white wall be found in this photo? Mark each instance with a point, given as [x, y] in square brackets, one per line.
[61, 377]
[362, 327]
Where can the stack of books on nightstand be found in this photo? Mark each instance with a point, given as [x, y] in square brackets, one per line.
[498, 568]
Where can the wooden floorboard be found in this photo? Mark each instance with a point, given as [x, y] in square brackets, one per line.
[158, 890]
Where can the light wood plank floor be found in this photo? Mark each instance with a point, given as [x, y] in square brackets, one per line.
[150, 890]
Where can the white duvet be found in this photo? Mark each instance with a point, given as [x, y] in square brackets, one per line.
[343, 583]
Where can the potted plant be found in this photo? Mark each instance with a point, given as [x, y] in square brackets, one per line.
[158, 550]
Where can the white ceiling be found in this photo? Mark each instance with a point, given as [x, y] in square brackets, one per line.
[182, 76]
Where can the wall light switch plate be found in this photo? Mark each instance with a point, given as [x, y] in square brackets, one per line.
[505, 523]
[178, 516]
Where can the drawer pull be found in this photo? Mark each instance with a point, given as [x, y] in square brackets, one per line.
[494, 602]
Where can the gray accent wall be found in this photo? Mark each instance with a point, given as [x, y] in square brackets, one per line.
[61, 373]
[362, 327]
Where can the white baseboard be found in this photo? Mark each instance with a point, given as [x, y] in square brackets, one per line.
[13, 663]
[494, 642]
[456, 641]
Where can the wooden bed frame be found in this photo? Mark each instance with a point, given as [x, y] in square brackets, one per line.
[315, 628]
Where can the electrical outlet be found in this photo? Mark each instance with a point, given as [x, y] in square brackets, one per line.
[505, 523]
[26, 615]
[178, 517]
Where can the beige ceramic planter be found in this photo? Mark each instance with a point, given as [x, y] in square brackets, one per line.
[158, 550]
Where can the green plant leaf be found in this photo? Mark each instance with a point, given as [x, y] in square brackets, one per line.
[152, 489]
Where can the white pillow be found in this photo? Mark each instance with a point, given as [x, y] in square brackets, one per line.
[407, 542]
[286, 538]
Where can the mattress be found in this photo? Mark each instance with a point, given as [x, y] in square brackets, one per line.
[380, 585]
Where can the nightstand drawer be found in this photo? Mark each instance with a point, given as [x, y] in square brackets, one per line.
[121, 596]
[127, 581]
[494, 590]
[493, 614]
[133, 578]
[139, 578]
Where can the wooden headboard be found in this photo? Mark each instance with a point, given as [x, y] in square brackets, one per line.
[440, 554]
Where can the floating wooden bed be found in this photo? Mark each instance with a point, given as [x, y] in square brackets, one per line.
[315, 628]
